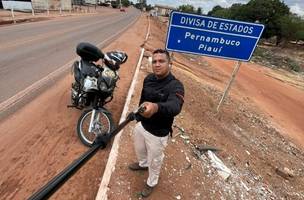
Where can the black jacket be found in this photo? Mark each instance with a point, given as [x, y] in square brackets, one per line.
[168, 93]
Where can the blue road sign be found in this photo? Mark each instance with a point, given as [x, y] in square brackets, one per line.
[203, 35]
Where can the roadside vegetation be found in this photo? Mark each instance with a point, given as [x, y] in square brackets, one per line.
[283, 34]
[282, 45]
[275, 57]
[275, 15]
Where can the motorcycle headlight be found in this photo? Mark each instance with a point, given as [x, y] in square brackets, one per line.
[90, 83]
[103, 87]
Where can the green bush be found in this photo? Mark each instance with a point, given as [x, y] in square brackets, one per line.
[294, 66]
[269, 58]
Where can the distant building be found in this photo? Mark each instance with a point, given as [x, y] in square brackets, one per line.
[101, 2]
[153, 13]
[93, 2]
[162, 10]
[144, 2]
[52, 4]
[24, 5]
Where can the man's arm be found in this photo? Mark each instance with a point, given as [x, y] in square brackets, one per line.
[174, 103]
[150, 109]
[171, 107]
[141, 100]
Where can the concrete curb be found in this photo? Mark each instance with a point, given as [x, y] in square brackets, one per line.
[110, 167]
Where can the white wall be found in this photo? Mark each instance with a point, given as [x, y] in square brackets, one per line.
[17, 5]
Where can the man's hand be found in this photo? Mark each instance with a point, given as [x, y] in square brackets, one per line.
[151, 109]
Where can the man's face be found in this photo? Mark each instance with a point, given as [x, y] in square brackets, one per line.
[160, 65]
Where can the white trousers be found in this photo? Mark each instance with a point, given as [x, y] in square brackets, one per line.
[150, 152]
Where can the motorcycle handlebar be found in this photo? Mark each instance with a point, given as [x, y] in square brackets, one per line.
[111, 61]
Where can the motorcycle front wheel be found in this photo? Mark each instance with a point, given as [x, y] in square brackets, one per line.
[102, 124]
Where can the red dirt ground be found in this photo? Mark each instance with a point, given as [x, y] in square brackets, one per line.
[40, 140]
[258, 130]
[248, 130]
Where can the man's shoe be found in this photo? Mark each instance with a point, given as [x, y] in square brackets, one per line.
[136, 167]
[147, 190]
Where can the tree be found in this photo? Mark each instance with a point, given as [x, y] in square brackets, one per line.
[149, 7]
[114, 4]
[125, 3]
[199, 11]
[219, 11]
[186, 8]
[292, 27]
[238, 12]
[300, 34]
[269, 13]
[141, 4]
[300, 28]
[266, 10]
[214, 10]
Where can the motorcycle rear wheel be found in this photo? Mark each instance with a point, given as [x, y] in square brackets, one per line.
[103, 125]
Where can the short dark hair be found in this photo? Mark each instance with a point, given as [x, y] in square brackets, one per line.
[162, 51]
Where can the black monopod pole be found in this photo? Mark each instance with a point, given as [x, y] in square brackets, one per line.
[100, 142]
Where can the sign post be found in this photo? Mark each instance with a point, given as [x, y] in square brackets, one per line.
[235, 71]
[215, 37]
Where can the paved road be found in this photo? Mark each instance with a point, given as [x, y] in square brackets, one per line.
[29, 52]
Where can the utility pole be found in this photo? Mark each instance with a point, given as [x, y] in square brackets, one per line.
[60, 9]
[47, 7]
[13, 15]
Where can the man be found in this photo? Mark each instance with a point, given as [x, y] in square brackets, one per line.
[162, 96]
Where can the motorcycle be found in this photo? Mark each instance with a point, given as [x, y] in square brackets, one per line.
[93, 88]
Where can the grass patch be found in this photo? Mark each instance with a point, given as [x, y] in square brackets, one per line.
[269, 58]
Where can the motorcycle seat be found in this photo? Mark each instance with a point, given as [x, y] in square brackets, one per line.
[89, 52]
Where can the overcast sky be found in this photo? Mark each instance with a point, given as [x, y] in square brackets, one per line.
[296, 6]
